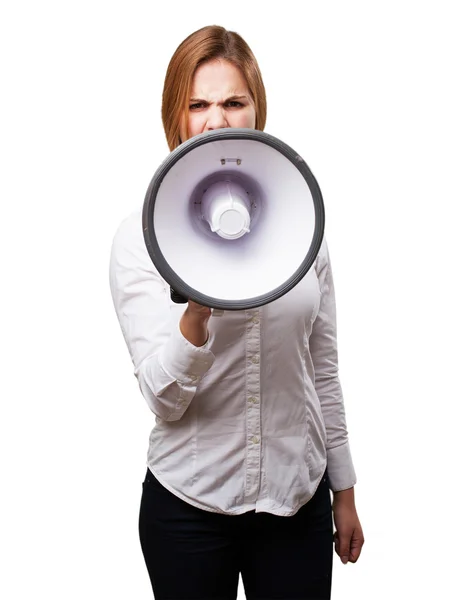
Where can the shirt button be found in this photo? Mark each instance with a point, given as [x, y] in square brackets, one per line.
[255, 320]
[194, 378]
[255, 360]
[252, 399]
[255, 440]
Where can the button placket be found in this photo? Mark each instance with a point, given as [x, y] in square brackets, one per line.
[253, 404]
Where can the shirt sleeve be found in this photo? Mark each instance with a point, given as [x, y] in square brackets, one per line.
[167, 366]
[323, 348]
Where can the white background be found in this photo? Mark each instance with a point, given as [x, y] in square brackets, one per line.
[359, 89]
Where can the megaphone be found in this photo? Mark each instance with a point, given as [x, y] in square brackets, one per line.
[233, 219]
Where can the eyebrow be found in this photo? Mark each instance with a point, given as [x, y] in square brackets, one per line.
[230, 99]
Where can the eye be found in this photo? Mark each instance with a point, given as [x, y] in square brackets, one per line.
[234, 104]
[196, 106]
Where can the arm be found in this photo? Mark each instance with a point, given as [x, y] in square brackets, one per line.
[167, 365]
[323, 349]
[348, 536]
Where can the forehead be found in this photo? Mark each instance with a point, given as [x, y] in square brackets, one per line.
[218, 77]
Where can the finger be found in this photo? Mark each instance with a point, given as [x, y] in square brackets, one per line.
[356, 546]
[345, 546]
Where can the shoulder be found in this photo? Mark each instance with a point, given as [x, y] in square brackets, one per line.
[129, 234]
[128, 244]
[130, 227]
[322, 258]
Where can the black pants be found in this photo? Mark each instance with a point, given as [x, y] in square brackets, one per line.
[197, 555]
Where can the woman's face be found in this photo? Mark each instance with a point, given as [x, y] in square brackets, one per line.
[220, 98]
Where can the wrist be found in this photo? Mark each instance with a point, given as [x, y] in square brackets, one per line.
[194, 328]
[195, 316]
[344, 496]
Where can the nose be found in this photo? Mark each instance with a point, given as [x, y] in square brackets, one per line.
[216, 118]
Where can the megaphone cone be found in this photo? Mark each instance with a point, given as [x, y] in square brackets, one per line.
[233, 219]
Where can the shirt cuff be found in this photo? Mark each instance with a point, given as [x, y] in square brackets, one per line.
[340, 468]
[183, 361]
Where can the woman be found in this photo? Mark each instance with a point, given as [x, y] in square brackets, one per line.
[250, 431]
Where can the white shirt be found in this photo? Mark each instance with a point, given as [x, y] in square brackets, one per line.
[250, 420]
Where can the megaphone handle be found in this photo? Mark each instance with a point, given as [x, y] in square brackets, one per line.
[177, 298]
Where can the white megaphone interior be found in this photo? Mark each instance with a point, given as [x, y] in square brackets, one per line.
[257, 262]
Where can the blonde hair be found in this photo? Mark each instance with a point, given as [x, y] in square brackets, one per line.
[208, 43]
